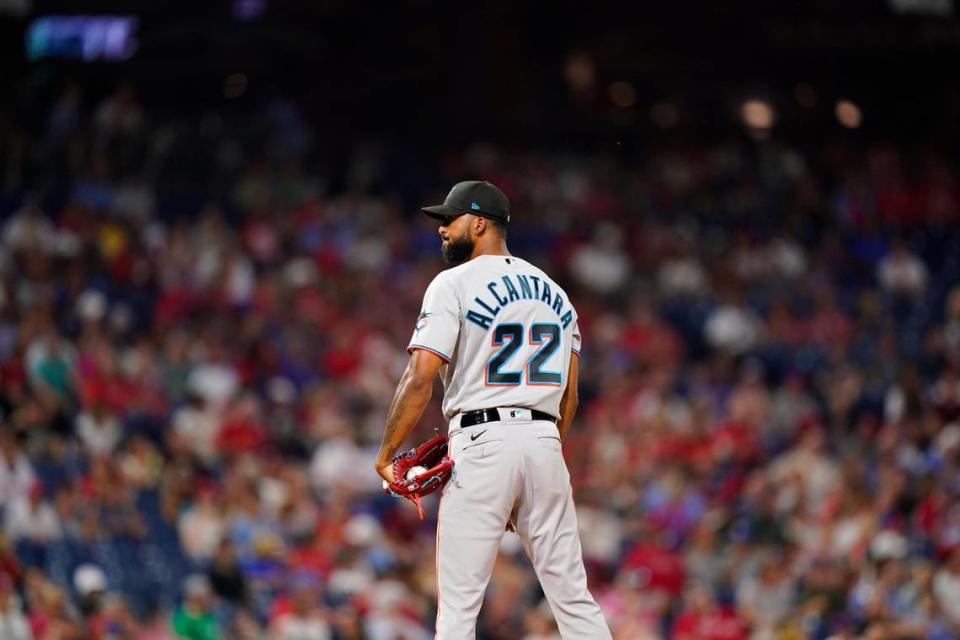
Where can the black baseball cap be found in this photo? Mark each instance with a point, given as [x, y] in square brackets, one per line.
[472, 196]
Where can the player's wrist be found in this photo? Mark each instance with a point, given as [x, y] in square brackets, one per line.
[384, 468]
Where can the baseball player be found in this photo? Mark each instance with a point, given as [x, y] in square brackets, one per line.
[503, 336]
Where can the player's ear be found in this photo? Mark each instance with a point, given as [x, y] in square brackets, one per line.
[479, 225]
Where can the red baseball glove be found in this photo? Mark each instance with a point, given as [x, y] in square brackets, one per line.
[432, 455]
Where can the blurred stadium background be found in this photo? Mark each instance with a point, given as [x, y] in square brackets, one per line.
[211, 260]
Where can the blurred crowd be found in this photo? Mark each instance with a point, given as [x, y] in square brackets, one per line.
[199, 340]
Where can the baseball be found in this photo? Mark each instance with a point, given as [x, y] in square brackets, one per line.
[415, 471]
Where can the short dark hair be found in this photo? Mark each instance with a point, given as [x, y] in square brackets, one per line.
[499, 225]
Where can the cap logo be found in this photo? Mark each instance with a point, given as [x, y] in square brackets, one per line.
[475, 206]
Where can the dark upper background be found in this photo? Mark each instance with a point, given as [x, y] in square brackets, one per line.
[439, 74]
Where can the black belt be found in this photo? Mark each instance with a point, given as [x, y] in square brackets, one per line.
[471, 418]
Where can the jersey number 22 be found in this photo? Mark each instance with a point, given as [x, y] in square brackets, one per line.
[509, 337]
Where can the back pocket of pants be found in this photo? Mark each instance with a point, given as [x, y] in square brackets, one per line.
[550, 442]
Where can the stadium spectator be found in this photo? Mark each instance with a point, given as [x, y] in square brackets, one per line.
[194, 619]
[13, 622]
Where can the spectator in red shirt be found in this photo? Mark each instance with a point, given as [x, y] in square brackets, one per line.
[654, 565]
[702, 618]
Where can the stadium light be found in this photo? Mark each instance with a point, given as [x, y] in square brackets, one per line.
[758, 114]
[848, 114]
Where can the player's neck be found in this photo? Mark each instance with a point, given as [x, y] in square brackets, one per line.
[498, 248]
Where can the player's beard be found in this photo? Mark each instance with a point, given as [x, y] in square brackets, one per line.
[458, 250]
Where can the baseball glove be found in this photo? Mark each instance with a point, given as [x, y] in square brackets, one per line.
[431, 455]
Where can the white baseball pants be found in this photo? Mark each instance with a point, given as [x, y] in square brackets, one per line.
[511, 467]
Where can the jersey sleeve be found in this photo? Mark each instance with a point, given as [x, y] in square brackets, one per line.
[576, 338]
[438, 324]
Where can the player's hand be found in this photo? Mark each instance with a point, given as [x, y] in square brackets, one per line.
[385, 469]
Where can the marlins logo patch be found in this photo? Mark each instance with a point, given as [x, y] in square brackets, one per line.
[422, 321]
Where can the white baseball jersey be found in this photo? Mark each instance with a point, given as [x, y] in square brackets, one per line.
[505, 331]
